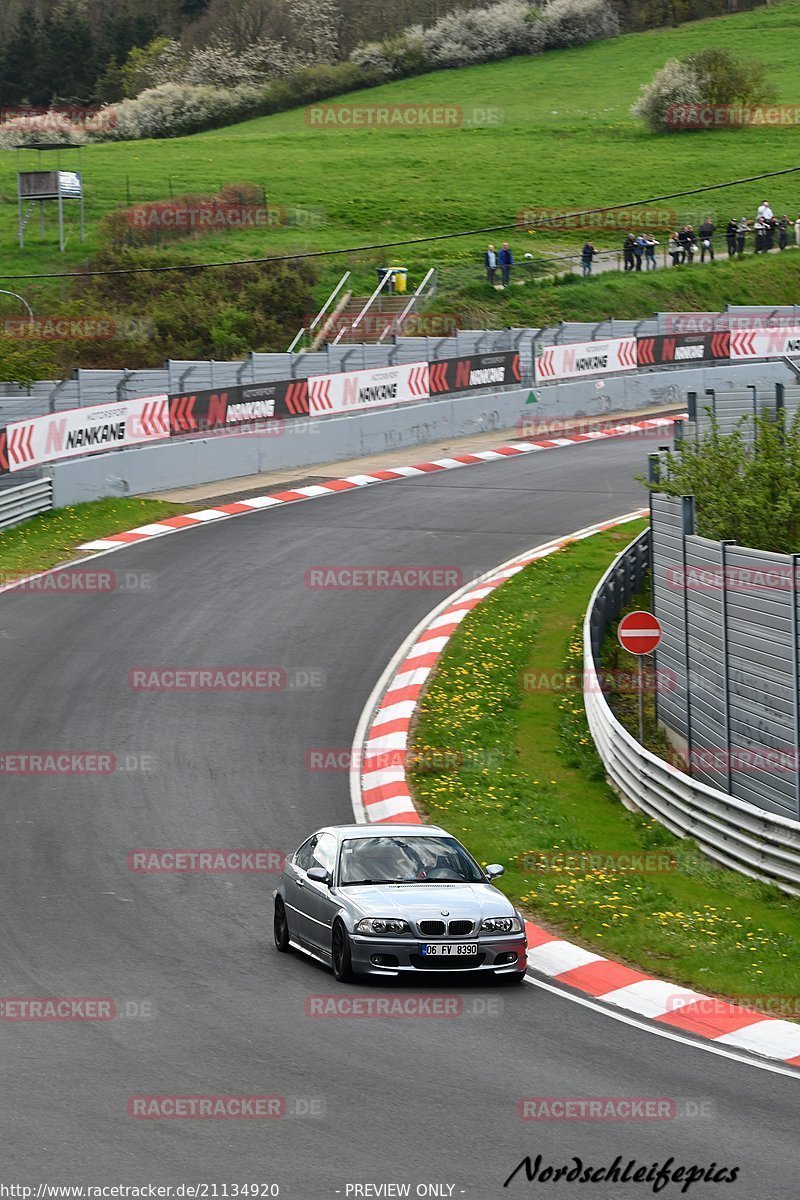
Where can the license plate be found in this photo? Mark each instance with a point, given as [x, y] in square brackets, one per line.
[446, 949]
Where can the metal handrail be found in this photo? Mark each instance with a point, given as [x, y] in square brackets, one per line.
[300, 333]
[399, 321]
[348, 329]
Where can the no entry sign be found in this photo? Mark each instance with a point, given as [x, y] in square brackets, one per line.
[639, 633]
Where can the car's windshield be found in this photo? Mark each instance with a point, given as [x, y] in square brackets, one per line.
[406, 859]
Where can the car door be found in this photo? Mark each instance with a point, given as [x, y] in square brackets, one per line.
[297, 885]
[320, 905]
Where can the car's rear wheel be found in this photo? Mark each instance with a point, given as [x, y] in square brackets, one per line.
[280, 927]
[341, 959]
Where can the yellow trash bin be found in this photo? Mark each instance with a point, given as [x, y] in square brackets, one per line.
[400, 278]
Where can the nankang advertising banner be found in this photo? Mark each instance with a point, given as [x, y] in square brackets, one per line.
[472, 372]
[85, 431]
[195, 412]
[683, 348]
[766, 343]
[576, 359]
[355, 391]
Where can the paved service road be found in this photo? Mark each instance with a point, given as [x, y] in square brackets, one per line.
[430, 1101]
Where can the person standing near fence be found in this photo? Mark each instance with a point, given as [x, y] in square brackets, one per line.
[675, 249]
[490, 262]
[706, 234]
[506, 261]
[730, 236]
[638, 251]
[797, 232]
[742, 230]
[650, 244]
[783, 232]
[627, 252]
[587, 257]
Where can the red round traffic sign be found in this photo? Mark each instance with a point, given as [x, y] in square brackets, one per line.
[639, 632]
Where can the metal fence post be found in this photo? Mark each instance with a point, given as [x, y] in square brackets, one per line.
[723, 546]
[796, 683]
[687, 528]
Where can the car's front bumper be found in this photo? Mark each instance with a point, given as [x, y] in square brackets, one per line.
[506, 954]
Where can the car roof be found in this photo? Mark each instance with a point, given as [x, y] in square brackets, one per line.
[366, 831]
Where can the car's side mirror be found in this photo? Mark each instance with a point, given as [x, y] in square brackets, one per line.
[493, 870]
[318, 874]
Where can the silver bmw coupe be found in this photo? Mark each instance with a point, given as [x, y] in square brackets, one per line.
[396, 899]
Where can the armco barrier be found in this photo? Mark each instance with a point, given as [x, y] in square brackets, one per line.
[28, 500]
[731, 831]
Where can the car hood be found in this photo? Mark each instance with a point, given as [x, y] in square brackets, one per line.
[421, 902]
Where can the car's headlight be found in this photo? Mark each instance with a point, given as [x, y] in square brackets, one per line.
[501, 925]
[378, 926]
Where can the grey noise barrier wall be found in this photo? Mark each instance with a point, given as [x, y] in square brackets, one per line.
[308, 442]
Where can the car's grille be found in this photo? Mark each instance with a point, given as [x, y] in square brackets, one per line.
[459, 928]
[432, 928]
[463, 962]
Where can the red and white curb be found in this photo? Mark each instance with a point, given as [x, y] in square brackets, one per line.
[380, 794]
[239, 507]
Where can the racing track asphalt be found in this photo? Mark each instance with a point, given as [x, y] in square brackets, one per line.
[414, 1100]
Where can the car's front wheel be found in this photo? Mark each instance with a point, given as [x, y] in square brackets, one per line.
[341, 959]
[280, 927]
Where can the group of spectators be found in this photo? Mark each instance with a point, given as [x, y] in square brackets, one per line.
[502, 260]
[767, 230]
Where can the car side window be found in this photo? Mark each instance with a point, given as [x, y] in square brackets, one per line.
[304, 858]
[325, 852]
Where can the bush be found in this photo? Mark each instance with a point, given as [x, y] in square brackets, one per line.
[677, 97]
[51, 127]
[481, 35]
[395, 57]
[746, 483]
[564, 23]
[173, 110]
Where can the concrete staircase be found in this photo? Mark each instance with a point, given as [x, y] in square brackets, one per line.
[372, 324]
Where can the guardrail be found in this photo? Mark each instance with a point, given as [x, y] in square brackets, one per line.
[28, 500]
[730, 831]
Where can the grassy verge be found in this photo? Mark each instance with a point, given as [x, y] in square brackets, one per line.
[53, 537]
[563, 138]
[532, 782]
[753, 280]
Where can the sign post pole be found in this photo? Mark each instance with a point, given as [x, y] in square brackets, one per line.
[639, 633]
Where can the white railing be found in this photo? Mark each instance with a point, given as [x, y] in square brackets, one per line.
[732, 832]
[27, 500]
[301, 333]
